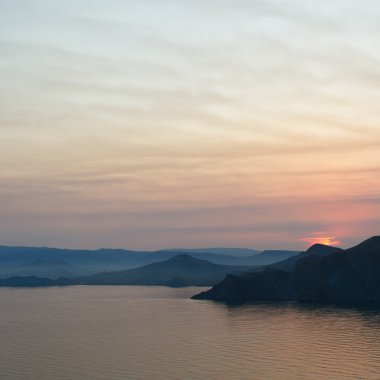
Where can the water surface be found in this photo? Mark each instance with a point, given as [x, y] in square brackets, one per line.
[131, 332]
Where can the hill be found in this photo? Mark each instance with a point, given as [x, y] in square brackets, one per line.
[316, 249]
[52, 269]
[236, 252]
[53, 262]
[178, 271]
[181, 270]
[322, 275]
[27, 281]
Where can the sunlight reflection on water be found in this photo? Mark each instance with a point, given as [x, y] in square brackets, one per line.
[131, 332]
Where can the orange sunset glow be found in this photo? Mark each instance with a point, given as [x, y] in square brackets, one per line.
[326, 240]
[190, 189]
[179, 135]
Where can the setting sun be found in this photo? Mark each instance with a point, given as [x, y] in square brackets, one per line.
[325, 240]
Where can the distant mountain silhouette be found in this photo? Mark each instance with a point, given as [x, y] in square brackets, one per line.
[272, 256]
[316, 249]
[52, 269]
[15, 261]
[368, 245]
[236, 252]
[322, 249]
[27, 281]
[319, 275]
[181, 270]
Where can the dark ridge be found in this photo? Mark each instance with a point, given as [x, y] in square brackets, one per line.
[368, 245]
[343, 276]
[318, 249]
[27, 281]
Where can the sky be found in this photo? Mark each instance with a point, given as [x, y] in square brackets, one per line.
[189, 123]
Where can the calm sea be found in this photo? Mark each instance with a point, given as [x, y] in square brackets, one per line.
[127, 332]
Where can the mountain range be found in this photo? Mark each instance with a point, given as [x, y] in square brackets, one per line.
[181, 270]
[321, 274]
[178, 271]
[54, 263]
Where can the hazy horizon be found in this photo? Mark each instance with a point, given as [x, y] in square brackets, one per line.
[155, 124]
[170, 248]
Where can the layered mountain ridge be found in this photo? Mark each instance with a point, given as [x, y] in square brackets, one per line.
[322, 274]
[71, 263]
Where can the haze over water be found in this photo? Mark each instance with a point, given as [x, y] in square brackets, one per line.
[131, 332]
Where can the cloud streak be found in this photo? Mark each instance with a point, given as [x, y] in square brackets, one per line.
[188, 123]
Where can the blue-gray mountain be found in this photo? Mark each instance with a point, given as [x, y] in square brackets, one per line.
[322, 274]
[238, 252]
[178, 271]
[181, 270]
[54, 263]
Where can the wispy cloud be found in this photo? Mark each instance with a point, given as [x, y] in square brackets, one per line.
[188, 122]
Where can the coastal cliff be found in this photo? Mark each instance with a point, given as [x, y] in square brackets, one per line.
[351, 275]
